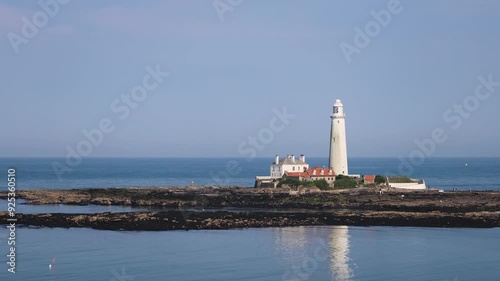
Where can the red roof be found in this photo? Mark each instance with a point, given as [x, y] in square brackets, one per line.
[369, 178]
[318, 172]
[297, 174]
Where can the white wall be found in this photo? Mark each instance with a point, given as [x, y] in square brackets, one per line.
[408, 185]
[279, 170]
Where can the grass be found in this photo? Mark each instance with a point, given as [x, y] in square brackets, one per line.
[400, 180]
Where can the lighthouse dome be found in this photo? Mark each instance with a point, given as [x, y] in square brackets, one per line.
[338, 103]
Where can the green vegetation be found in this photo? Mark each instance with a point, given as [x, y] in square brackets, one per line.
[322, 184]
[290, 182]
[403, 179]
[344, 182]
[309, 184]
[341, 182]
[380, 179]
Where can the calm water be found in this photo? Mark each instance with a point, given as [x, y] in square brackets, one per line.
[37, 173]
[22, 207]
[300, 253]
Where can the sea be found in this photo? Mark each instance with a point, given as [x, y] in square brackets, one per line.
[292, 253]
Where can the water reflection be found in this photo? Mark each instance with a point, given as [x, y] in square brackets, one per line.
[339, 253]
[314, 253]
[291, 242]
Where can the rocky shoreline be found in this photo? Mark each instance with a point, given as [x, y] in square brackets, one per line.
[360, 207]
[239, 197]
[178, 220]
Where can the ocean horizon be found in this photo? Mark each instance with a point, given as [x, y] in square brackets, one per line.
[462, 173]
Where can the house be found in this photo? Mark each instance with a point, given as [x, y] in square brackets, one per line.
[369, 179]
[318, 173]
[280, 167]
[288, 164]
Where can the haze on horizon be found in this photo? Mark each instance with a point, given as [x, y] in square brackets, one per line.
[229, 75]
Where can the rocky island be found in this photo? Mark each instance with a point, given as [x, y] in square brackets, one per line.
[186, 208]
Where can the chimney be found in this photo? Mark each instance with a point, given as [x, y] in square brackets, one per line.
[303, 158]
[277, 159]
[293, 158]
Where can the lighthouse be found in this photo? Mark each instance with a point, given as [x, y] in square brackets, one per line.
[338, 143]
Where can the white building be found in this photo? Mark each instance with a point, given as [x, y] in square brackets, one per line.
[338, 143]
[288, 164]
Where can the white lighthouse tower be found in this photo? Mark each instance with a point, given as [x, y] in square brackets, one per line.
[338, 143]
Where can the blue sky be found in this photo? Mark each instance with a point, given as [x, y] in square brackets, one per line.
[228, 73]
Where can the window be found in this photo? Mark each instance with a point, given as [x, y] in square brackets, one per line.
[294, 168]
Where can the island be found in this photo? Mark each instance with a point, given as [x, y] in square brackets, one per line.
[213, 207]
